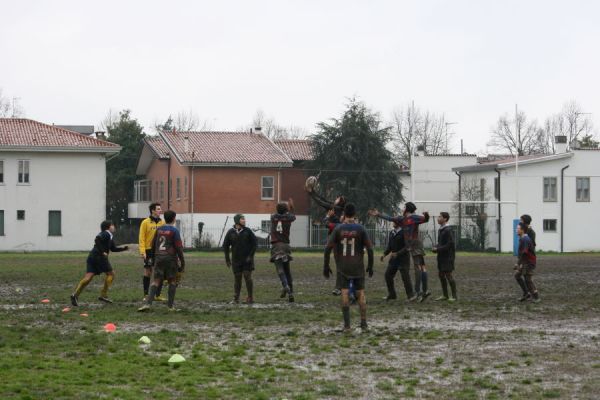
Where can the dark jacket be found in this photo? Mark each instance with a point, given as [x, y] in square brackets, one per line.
[445, 249]
[397, 244]
[527, 255]
[104, 244]
[531, 233]
[243, 245]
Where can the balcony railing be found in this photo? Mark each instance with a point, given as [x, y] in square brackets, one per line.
[142, 190]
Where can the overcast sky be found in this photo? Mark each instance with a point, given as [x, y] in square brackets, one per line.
[69, 62]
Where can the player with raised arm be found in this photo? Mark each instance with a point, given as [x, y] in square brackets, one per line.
[97, 262]
[348, 242]
[167, 248]
[410, 227]
[334, 216]
[242, 242]
[337, 205]
[281, 251]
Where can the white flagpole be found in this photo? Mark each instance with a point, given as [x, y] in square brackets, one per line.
[518, 132]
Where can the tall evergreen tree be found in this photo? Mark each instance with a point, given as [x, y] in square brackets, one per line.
[120, 171]
[352, 159]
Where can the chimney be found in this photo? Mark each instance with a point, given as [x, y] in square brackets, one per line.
[100, 135]
[186, 144]
[560, 142]
[420, 151]
[258, 130]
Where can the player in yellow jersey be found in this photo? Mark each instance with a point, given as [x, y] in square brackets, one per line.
[146, 238]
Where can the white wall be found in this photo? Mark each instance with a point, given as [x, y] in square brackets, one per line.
[435, 181]
[580, 218]
[74, 183]
[214, 224]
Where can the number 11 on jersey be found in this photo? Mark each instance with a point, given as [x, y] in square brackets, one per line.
[348, 247]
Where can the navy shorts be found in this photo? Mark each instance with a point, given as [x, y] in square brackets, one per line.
[98, 265]
[359, 283]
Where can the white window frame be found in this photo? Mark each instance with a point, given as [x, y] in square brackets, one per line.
[550, 230]
[550, 198]
[19, 163]
[178, 188]
[263, 187]
[581, 199]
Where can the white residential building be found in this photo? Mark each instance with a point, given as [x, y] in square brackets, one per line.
[52, 186]
[556, 190]
[435, 186]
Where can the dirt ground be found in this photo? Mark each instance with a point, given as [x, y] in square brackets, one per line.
[486, 345]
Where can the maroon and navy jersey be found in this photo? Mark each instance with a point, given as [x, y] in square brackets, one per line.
[167, 241]
[348, 242]
[280, 227]
[410, 224]
[526, 251]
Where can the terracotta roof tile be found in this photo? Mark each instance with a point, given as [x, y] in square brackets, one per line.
[225, 148]
[296, 149]
[158, 145]
[21, 132]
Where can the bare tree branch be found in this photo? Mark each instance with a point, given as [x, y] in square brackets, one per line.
[517, 136]
[413, 127]
[10, 108]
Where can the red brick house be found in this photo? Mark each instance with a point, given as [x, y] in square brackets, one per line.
[209, 176]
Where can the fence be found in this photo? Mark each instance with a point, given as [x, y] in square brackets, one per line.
[315, 237]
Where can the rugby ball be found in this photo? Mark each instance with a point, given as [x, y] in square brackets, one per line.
[310, 184]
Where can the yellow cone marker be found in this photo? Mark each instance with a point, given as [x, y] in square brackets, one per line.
[145, 340]
[176, 358]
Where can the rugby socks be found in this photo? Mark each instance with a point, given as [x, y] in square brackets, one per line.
[151, 295]
[530, 285]
[424, 281]
[417, 281]
[82, 284]
[281, 273]
[146, 281]
[108, 280]
[288, 276]
[172, 289]
[444, 283]
[159, 289]
[346, 314]
[521, 283]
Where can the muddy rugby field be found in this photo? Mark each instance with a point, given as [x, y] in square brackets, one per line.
[485, 346]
